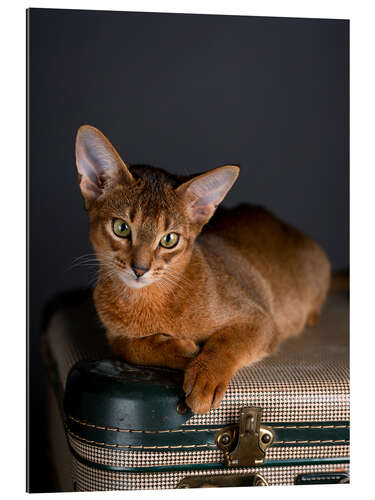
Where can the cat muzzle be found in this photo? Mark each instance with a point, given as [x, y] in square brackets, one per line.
[140, 270]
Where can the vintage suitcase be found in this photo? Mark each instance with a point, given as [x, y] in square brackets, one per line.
[283, 421]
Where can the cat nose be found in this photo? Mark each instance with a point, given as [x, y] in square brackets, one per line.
[139, 270]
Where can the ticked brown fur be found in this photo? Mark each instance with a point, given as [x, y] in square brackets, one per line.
[222, 298]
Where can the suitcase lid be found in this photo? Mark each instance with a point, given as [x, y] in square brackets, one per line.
[303, 390]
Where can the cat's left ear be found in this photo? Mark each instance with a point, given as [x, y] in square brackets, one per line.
[99, 165]
[203, 193]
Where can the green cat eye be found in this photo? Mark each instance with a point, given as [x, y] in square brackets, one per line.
[169, 240]
[121, 228]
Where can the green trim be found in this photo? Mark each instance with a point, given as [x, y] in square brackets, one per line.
[290, 425]
[186, 438]
[310, 461]
[110, 392]
[204, 437]
[209, 466]
[216, 427]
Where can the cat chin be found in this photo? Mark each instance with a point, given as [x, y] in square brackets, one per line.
[132, 283]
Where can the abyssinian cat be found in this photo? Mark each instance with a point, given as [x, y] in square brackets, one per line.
[171, 292]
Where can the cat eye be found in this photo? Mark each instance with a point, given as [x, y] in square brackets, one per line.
[169, 240]
[121, 228]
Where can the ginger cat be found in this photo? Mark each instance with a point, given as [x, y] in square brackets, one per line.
[170, 295]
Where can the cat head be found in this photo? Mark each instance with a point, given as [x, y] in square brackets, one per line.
[143, 221]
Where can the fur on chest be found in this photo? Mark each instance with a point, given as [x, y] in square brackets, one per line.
[137, 316]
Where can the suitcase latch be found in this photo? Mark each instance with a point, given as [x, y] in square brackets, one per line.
[245, 444]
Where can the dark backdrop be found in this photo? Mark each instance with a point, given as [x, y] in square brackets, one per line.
[187, 93]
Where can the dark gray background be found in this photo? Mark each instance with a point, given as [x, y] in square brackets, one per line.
[186, 93]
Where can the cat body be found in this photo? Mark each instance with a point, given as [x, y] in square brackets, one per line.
[184, 287]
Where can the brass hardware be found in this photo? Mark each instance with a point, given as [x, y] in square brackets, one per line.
[333, 477]
[344, 480]
[245, 444]
[222, 481]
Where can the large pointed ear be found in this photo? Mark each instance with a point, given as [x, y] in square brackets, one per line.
[99, 165]
[203, 193]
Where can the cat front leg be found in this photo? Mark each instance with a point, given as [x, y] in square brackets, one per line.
[207, 376]
[155, 350]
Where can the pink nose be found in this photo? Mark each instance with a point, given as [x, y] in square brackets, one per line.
[139, 270]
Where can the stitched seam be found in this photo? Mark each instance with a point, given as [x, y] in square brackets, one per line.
[313, 441]
[116, 429]
[141, 447]
[310, 426]
[168, 431]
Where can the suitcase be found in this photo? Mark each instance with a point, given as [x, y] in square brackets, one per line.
[283, 420]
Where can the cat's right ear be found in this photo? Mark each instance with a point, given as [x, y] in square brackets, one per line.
[99, 165]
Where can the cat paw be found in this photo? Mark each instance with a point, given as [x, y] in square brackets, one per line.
[180, 350]
[204, 386]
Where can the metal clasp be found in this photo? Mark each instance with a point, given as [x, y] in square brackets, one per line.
[245, 444]
[222, 481]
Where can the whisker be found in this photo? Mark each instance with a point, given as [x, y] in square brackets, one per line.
[163, 285]
[179, 276]
[90, 259]
[170, 280]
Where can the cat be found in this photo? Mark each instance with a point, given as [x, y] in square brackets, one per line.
[169, 294]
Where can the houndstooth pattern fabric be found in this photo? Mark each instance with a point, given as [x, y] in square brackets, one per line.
[120, 458]
[285, 393]
[87, 478]
[301, 383]
[74, 333]
[306, 381]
